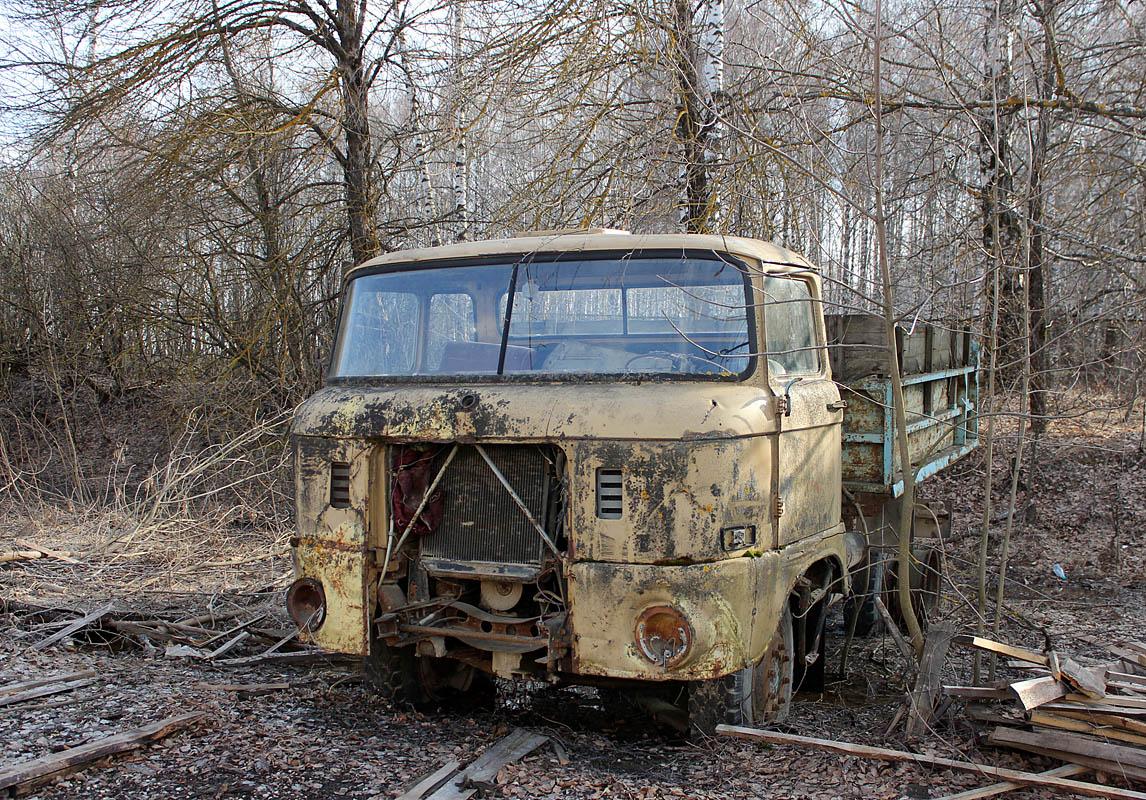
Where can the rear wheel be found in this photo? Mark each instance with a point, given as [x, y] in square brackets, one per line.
[867, 584]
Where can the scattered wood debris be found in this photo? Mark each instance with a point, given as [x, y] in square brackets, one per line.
[1093, 717]
[30, 690]
[178, 638]
[1046, 780]
[71, 628]
[453, 782]
[28, 774]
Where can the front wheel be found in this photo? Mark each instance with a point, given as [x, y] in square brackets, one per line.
[406, 679]
[760, 694]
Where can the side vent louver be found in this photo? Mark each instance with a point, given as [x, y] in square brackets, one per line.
[609, 494]
[339, 484]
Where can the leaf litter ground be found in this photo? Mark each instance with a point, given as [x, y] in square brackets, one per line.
[327, 736]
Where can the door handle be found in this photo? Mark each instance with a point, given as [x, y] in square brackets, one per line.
[838, 405]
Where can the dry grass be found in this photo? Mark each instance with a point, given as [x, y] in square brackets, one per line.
[206, 519]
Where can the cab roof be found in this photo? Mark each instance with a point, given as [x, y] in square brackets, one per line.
[589, 241]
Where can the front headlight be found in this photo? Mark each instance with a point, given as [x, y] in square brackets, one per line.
[663, 635]
[306, 603]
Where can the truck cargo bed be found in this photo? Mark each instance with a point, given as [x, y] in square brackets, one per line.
[941, 389]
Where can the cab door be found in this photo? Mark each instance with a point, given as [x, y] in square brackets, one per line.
[808, 406]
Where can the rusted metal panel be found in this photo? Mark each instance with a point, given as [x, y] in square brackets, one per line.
[732, 607]
[677, 497]
[530, 411]
[941, 423]
[332, 543]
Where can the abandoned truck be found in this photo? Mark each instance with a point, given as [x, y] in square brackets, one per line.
[605, 459]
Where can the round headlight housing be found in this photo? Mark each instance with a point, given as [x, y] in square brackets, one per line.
[663, 635]
[306, 604]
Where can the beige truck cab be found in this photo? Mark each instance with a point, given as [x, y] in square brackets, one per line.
[586, 458]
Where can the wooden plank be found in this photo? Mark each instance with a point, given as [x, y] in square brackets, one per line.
[20, 555]
[893, 630]
[1084, 679]
[64, 677]
[1129, 656]
[885, 754]
[482, 773]
[295, 657]
[1028, 666]
[1109, 720]
[926, 692]
[228, 645]
[1113, 759]
[1138, 703]
[44, 691]
[33, 772]
[65, 632]
[979, 692]
[995, 789]
[431, 782]
[1094, 708]
[1002, 649]
[1126, 677]
[1082, 726]
[1034, 692]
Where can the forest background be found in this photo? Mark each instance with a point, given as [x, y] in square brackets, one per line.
[182, 185]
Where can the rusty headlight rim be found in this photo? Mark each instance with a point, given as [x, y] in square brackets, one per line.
[306, 604]
[662, 625]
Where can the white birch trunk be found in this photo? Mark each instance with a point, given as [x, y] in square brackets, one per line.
[711, 93]
[421, 163]
[461, 150]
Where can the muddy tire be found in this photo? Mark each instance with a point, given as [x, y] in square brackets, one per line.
[867, 584]
[406, 680]
[391, 672]
[710, 703]
[757, 695]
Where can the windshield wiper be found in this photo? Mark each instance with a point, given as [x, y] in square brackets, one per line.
[505, 324]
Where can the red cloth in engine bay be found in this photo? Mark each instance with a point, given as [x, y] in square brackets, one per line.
[412, 476]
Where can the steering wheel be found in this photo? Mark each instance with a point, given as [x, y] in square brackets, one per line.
[677, 360]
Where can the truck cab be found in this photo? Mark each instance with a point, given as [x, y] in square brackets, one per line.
[579, 458]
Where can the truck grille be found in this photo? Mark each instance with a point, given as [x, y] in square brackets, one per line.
[480, 521]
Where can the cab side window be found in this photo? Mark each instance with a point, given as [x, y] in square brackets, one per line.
[790, 327]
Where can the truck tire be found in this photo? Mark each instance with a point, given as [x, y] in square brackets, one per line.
[407, 680]
[391, 673]
[760, 694]
[926, 585]
[867, 584]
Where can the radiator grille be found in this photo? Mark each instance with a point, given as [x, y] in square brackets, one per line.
[480, 521]
[339, 484]
[609, 494]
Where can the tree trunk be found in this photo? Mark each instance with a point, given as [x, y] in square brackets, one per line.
[360, 200]
[1037, 269]
[690, 128]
